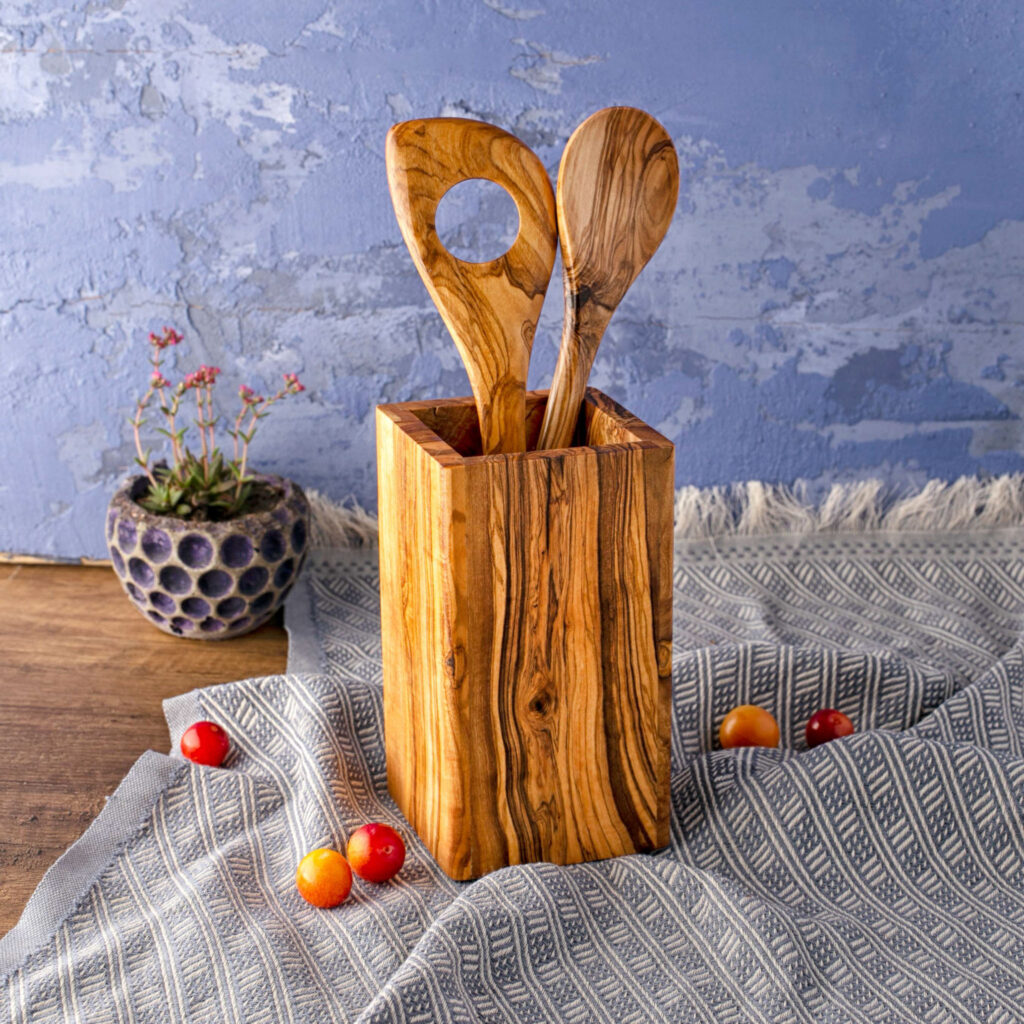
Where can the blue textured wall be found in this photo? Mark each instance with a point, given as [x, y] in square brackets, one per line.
[840, 294]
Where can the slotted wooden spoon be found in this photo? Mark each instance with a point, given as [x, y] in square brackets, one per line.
[491, 309]
[617, 186]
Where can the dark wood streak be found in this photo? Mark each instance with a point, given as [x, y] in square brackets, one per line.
[513, 674]
[472, 580]
[491, 308]
[611, 481]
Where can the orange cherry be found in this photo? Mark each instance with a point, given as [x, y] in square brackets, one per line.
[748, 726]
[324, 878]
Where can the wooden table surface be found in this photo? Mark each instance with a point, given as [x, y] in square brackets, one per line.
[82, 677]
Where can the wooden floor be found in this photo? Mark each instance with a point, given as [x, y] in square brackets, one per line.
[82, 675]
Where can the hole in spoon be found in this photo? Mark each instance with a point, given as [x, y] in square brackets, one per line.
[477, 220]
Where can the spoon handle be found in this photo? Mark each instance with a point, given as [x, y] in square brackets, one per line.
[582, 327]
[491, 308]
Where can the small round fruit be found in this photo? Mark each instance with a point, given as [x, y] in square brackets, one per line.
[748, 726]
[376, 852]
[827, 724]
[205, 743]
[323, 878]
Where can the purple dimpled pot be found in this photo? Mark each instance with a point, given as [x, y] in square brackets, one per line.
[211, 580]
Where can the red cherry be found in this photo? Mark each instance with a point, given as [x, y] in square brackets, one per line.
[205, 743]
[827, 724]
[375, 852]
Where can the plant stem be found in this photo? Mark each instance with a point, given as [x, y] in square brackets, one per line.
[176, 452]
[258, 410]
[245, 451]
[211, 420]
[202, 435]
[234, 437]
[136, 428]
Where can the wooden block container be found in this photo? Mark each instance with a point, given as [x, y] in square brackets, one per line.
[526, 616]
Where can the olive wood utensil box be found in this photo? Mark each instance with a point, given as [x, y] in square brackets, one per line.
[526, 619]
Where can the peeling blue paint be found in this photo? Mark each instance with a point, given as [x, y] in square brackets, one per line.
[779, 271]
[908, 384]
[843, 275]
[996, 371]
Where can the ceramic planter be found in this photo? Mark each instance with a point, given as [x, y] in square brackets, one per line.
[208, 580]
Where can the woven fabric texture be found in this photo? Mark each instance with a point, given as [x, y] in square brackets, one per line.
[876, 878]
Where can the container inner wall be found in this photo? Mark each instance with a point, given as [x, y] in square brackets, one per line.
[455, 422]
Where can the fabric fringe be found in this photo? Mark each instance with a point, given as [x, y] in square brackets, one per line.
[344, 524]
[754, 509]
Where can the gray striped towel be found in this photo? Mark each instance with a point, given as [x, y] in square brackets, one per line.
[876, 878]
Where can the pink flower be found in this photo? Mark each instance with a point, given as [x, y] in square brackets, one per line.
[168, 338]
[204, 480]
[205, 376]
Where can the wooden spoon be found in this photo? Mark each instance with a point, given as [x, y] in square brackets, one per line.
[617, 188]
[491, 309]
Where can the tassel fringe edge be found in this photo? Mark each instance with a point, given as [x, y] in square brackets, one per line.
[755, 509]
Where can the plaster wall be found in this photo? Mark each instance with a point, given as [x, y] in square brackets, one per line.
[838, 297]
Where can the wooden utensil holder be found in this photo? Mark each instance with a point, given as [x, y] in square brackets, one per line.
[526, 617]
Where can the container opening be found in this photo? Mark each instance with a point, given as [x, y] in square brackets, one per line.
[456, 423]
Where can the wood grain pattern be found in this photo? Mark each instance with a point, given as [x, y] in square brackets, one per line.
[526, 617]
[618, 181]
[82, 677]
[491, 309]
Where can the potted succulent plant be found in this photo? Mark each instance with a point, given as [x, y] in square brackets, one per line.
[205, 548]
